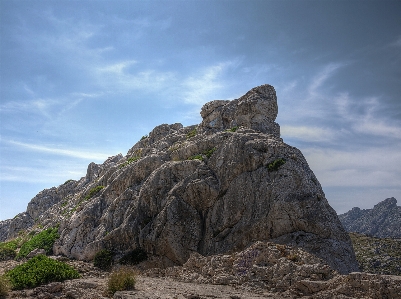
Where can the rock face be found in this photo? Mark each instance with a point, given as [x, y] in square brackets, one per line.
[213, 188]
[383, 221]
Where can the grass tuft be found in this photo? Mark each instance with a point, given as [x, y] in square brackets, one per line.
[4, 286]
[122, 279]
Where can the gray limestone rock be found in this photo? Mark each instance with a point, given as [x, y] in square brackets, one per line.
[383, 221]
[213, 188]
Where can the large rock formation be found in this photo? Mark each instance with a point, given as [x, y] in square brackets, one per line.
[383, 221]
[213, 188]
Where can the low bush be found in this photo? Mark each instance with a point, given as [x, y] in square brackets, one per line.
[43, 240]
[103, 259]
[39, 270]
[4, 286]
[93, 192]
[122, 279]
[207, 153]
[196, 157]
[192, 134]
[134, 257]
[275, 165]
[7, 254]
[129, 161]
[13, 244]
[233, 129]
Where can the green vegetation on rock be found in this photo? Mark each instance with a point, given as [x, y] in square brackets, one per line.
[275, 165]
[43, 240]
[93, 192]
[129, 161]
[7, 254]
[39, 270]
[207, 153]
[192, 133]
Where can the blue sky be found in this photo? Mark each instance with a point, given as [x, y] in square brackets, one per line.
[84, 80]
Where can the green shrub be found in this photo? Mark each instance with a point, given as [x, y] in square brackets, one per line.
[7, 254]
[44, 240]
[121, 280]
[93, 192]
[192, 133]
[196, 157]
[103, 259]
[13, 244]
[144, 137]
[134, 257]
[39, 270]
[274, 166]
[233, 129]
[207, 153]
[129, 161]
[4, 286]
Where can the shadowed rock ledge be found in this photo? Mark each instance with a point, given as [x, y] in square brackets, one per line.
[212, 188]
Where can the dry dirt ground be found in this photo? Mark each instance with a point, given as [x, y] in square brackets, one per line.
[93, 285]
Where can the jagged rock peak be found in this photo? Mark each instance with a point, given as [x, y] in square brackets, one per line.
[383, 221]
[257, 110]
[211, 188]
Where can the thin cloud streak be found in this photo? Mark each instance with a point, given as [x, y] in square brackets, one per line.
[61, 152]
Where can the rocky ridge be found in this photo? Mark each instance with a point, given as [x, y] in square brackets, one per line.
[214, 188]
[383, 221]
[263, 270]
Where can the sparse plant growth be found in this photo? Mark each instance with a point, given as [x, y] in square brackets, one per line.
[134, 257]
[192, 134]
[43, 240]
[93, 192]
[207, 153]
[122, 279]
[4, 286]
[39, 270]
[233, 129]
[103, 259]
[275, 165]
[7, 254]
[196, 157]
[129, 161]
[67, 181]
[377, 255]
[12, 244]
[144, 137]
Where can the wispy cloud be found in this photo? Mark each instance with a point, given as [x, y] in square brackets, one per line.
[358, 168]
[322, 77]
[40, 106]
[204, 86]
[308, 133]
[75, 153]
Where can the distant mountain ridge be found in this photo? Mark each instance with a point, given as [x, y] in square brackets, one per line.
[383, 221]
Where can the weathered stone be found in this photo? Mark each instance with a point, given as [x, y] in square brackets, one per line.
[383, 221]
[213, 188]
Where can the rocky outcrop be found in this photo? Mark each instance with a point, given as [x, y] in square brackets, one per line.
[383, 221]
[279, 271]
[213, 188]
